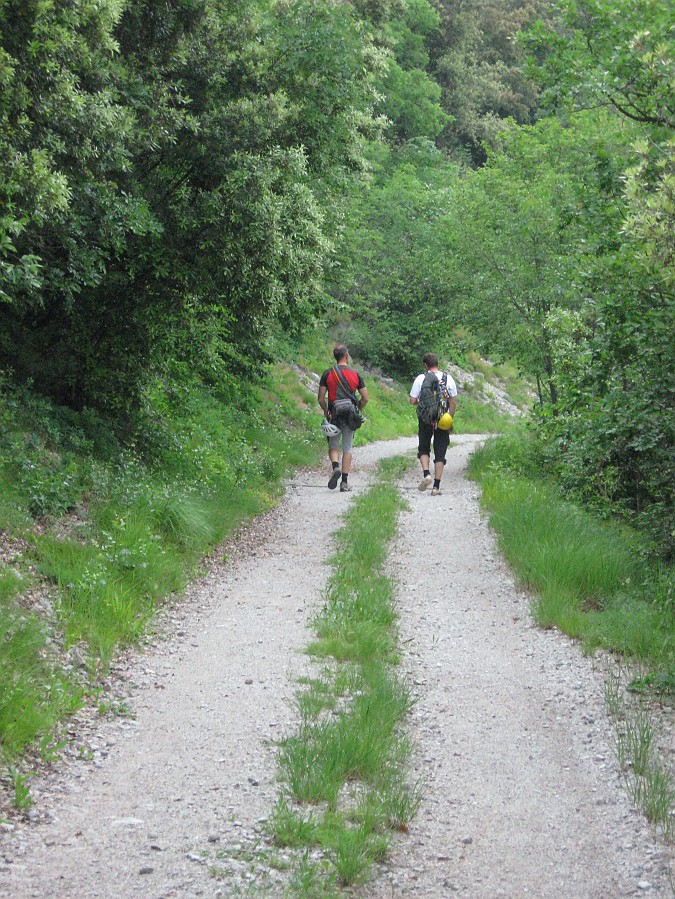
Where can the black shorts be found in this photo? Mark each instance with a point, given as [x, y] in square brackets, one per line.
[441, 438]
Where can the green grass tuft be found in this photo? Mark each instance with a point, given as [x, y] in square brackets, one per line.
[34, 691]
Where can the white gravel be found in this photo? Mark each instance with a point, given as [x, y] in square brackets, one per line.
[522, 797]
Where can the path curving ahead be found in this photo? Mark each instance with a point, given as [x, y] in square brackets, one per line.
[522, 792]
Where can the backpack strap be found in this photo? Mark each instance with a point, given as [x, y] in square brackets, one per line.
[345, 385]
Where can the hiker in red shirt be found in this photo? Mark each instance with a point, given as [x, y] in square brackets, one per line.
[337, 397]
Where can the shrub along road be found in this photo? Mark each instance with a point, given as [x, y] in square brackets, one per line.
[522, 793]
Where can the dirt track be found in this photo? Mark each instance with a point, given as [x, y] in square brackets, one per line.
[522, 791]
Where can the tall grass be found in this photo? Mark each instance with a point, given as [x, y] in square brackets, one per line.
[344, 772]
[649, 781]
[116, 529]
[474, 416]
[596, 581]
[593, 578]
[34, 691]
[589, 577]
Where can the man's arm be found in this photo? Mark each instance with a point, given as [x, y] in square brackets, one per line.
[363, 393]
[321, 397]
[452, 405]
[414, 394]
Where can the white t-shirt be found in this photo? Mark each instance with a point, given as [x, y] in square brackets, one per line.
[417, 384]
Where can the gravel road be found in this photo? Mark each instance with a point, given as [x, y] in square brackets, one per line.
[522, 794]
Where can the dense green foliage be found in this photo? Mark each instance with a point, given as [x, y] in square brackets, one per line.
[479, 65]
[557, 252]
[611, 436]
[391, 259]
[156, 166]
[175, 177]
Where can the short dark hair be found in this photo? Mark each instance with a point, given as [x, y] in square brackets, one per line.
[340, 352]
[430, 360]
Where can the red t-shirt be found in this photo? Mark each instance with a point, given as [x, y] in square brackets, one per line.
[330, 380]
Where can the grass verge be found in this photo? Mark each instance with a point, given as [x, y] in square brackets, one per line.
[95, 533]
[34, 690]
[344, 772]
[596, 581]
[590, 577]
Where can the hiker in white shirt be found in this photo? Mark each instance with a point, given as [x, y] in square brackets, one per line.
[428, 431]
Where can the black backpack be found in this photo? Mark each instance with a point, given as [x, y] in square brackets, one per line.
[433, 395]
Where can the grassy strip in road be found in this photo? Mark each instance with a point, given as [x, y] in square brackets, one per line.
[344, 773]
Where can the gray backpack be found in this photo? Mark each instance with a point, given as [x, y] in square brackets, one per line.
[345, 407]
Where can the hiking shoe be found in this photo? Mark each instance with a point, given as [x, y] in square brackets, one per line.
[334, 478]
[436, 491]
[424, 483]
[344, 487]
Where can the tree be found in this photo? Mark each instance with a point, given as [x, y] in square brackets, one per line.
[410, 96]
[516, 232]
[164, 170]
[621, 447]
[479, 64]
[600, 53]
[391, 262]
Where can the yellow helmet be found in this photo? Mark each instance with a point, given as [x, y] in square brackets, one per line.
[445, 421]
